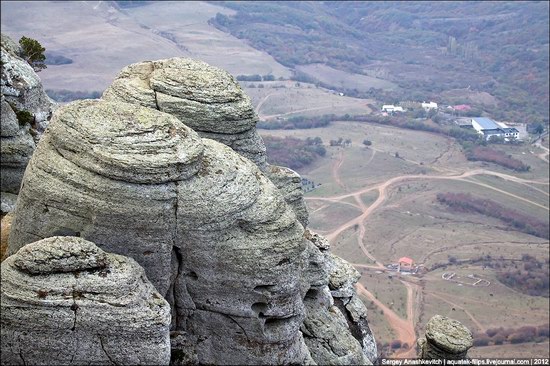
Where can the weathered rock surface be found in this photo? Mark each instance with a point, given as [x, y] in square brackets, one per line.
[21, 92]
[445, 338]
[220, 239]
[214, 235]
[203, 97]
[66, 302]
[211, 102]
[335, 329]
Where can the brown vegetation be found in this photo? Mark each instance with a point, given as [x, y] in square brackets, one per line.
[465, 202]
[292, 152]
[483, 153]
[498, 336]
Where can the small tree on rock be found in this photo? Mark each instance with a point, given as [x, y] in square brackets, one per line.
[33, 53]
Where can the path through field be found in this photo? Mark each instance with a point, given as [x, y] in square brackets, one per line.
[404, 328]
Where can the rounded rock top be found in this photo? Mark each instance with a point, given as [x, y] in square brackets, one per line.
[194, 80]
[60, 254]
[448, 334]
[125, 141]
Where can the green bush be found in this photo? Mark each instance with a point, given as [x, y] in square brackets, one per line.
[24, 117]
[33, 53]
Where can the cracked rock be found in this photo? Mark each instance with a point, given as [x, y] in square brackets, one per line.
[64, 301]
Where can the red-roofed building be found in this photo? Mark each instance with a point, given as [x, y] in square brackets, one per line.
[405, 264]
[462, 107]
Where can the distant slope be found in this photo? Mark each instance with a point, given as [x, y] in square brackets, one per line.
[101, 37]
[496, 47]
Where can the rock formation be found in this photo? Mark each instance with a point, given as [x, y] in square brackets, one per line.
[216, 237]
[67, 302]
[211, 102]
[445, 339]
[25, 112]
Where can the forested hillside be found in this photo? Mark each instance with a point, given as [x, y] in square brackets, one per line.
[427, 48]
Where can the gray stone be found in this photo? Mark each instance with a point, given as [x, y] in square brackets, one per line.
[203, 97]
[22, 91]
[210, 101]
[445, 339]
[66, 302]
[342, 277]
[214, 235]
[9, 126]
[328, 338]
[8, 202]
[219, 235]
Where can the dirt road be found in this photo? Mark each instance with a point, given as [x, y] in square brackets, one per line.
[405, 328]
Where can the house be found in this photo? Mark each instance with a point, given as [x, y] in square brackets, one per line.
[405, 264]
[429, 106]
[390, 108]
[490, 129]
[462, 107]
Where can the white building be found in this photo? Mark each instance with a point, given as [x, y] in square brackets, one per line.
[489, 129]
[429, 105]
[390, 108]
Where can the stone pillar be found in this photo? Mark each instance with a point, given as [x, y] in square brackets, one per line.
[445, 339]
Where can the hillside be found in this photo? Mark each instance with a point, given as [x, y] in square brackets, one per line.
[427, 48]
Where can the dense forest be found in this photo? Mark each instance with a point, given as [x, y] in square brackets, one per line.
[425, 47]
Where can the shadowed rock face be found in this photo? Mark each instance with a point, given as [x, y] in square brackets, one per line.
[21, 92]
[67, 302]
[219, 238]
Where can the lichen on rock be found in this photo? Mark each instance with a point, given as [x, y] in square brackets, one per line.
[219, 235]
[64, 301]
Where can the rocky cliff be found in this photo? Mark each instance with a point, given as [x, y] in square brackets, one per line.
[219, 232]
[25, 111]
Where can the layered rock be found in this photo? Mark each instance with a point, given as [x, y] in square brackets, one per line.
[25, 112]
[336, 329]
[203, 97]
[445, 338]
[211, 102]
[219, 238]
[64, 301]
[214, 235]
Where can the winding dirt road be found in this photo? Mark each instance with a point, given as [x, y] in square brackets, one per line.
[405, 328]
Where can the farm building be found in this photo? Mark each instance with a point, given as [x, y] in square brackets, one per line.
[489, 129]
[405, 264]
[390, 108]
[429, 105]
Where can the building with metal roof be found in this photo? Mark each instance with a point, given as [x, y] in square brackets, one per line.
[489, 129]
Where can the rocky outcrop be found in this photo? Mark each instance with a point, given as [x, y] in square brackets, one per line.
[216, 237]
[211, 102]
[25, 112]
[336, 329]
[445, 338]
[64, 301]
[203, 97]
[213, 234]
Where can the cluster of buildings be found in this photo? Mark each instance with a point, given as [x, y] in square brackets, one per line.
[390, 108]
[403, 265]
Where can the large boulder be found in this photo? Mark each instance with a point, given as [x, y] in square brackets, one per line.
[64, 301]
[203, 97]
